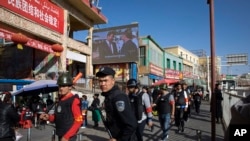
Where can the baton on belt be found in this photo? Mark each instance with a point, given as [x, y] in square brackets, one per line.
[105, 123]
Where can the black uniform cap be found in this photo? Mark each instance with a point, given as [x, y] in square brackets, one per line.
[104, 71]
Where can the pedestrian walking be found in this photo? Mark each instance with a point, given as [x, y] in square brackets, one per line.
[9, 118]
[219, 99]
[197, 100]
[120, 120]
[84, 108]
[141, 105]
[95, 105]
[67, 117]
[188, 92]
[181, 105]
[165, 105]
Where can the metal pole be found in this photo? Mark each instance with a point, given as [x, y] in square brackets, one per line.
[213, 73]
[28, 135]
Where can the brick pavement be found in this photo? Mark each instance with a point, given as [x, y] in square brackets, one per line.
[196, 122]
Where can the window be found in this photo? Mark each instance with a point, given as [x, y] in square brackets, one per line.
[180, 69]
[168, 64]
[174, 64]
[143, 56]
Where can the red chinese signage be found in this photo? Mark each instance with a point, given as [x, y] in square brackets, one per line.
[32, 43]
[41, 11]
[187, 74]
[170, 73]
[155, 70]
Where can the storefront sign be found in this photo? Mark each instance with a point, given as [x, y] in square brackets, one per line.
[32, 43]
[155, 70]
[187, 74]
[170, 73]
[41, 11]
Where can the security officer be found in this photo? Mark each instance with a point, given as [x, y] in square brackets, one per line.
[140, 103]
[181, 105]
[67, 116]
[120, 119]
[165, 104]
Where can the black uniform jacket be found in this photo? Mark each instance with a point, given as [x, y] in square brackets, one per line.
[121, 121]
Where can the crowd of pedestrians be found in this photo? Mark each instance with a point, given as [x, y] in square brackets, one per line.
[127, 113]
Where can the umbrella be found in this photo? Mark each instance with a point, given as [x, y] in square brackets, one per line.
[165, 81]
[37, 87]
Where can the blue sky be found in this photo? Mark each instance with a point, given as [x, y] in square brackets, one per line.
[186, 23]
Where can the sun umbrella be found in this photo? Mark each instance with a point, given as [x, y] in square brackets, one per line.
[37, 87]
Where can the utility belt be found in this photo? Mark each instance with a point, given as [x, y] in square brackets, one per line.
[180, 106]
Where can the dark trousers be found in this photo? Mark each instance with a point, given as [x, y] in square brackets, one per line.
[179, 119]
[139, 130]
[197, 106]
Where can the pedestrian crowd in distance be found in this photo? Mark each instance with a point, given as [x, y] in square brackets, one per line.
[127, 113]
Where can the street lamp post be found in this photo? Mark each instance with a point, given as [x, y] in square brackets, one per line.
[212, 47]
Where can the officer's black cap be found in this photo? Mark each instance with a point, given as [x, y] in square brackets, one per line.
[104, 71]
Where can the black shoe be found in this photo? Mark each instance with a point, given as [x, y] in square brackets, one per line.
[179, 129]
[182, 130]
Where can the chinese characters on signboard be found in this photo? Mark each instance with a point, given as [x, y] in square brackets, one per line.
[41, 11]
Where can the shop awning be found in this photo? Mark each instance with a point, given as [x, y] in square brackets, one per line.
[16, 81]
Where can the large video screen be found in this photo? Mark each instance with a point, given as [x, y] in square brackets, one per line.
[115, 44]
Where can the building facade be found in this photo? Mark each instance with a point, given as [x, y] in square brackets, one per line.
[173, 66]
[190, 61]
[46, 45]
[151, 61]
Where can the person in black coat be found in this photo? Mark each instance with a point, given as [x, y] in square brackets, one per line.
[8, 118]
[219, 99]
[95, 105]
[120, 120]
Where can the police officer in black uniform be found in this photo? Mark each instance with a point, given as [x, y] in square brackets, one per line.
[120, 119]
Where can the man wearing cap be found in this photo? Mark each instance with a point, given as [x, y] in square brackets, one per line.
[120, 119]
[67, 116]
[141, 106]
[165, 105]
[181, 105]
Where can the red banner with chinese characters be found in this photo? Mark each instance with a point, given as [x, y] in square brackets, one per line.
[170, 73]
[155, 70]
[187, 74]
[32, 43]
[41, 11]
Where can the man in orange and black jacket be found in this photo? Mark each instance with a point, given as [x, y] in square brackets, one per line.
[67, 116]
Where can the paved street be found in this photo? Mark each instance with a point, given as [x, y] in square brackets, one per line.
[196, 122]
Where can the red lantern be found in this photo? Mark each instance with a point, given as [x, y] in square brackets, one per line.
[19, 38]
[57, 48]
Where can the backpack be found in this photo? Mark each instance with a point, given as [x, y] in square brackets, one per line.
[138, 106]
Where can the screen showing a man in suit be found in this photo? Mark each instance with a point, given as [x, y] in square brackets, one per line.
[115, 45]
